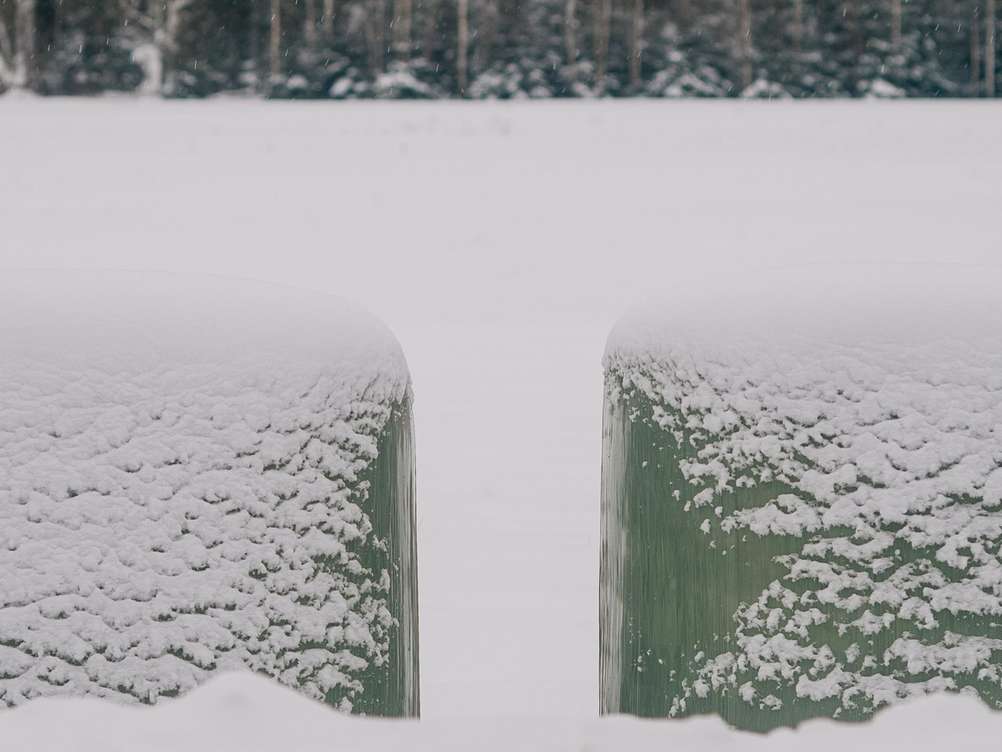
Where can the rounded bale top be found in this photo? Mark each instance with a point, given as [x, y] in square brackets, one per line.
[136, 321]
[816, 307]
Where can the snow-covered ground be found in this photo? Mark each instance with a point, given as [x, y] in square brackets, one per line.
[500, 243]
[245, 713]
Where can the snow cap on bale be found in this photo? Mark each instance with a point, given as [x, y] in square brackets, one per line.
[816, 306]
[136, 320]
[802, 495]
[199, 475]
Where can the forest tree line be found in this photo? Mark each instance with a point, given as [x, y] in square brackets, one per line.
[501, 48]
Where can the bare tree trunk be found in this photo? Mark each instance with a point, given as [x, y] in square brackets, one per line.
[375, 24]
[487, 33]
[327, 21]
[55, 26]
[976, 47]
[990, 61]
[745, 41]
[310, 23]
[636, 43]
[275, 43]
[897, 13]
[254, 40]
[600, 41]
[798, 25]
[684, 13]
[462, 44]
[403, 15]
[25, 59]
[852, 16]
[571, 31]
[430, 43]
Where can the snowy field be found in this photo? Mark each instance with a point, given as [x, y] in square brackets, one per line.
[245, 713]
[500, 242]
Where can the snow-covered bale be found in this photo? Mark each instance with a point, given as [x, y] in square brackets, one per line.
[802, 496]
[200, 475]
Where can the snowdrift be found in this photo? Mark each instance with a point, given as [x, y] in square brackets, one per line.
[241, 712]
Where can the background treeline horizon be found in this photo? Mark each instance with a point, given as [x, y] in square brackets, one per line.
[501, 48]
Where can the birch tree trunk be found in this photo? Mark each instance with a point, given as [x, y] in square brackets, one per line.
[570, 31]
[990, 21]
[636, 43]
[600, 41]
[897, 13]
[25, 61]
[745, 41]
[462, 44]
[327, 21]
[310, 23]
[275, 43]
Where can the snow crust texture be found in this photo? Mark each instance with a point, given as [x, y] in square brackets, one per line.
[183, 490]
[846, 430]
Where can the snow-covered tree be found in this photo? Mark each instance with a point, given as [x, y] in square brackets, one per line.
[502, 48]
[157, 25]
